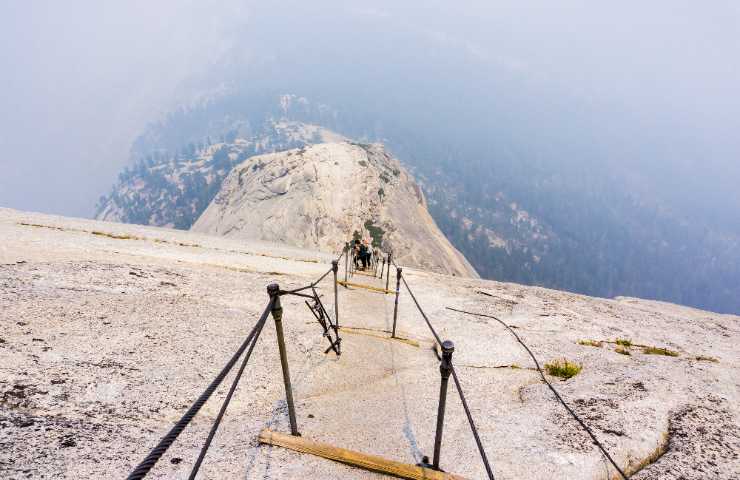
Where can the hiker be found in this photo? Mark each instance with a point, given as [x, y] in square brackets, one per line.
[356, 254]
[364, 254]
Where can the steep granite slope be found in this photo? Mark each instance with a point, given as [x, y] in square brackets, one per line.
[110, 331]
[171, 189]
[318, 196]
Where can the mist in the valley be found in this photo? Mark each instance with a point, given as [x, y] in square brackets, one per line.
[648, 91]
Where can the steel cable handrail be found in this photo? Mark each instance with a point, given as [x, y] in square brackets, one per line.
[555, 392]
[472, 424]
[156, 453]
[424, 315]
[306, 287]
[225, 405]
[478, 442]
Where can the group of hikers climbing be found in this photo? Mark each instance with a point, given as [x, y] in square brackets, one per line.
[363, 255]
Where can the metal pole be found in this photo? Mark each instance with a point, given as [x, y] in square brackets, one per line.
[445, 368]
[388, 274]
[346, 260]
[277, 313]
[335, 269]
[352, 261]
[395, 307]
[382, 269]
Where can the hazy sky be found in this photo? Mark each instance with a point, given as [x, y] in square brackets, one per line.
[81, 79]
[654, 83]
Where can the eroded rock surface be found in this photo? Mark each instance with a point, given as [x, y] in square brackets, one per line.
[316, 197]
[110, 331]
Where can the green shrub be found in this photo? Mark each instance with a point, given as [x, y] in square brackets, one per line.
[659, 351]
[563, 369]
[376, 233]
[625, 342]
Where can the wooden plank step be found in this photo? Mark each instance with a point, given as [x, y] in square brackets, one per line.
[379, 334]
[366, 287]
[356, 459]
[358, 272]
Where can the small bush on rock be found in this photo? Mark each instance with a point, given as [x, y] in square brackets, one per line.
[659, 351]
[563, 369]
[622, 350]
[704, 358]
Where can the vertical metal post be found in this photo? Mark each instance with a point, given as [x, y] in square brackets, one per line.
[382, 269]
[346, 260]
[277, 313]
[445, 369]
[395, 307]
[352, 266]
[335, 269]
[388, 273]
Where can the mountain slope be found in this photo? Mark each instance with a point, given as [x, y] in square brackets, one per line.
[316, 197]
[173, 188]
[521, 209]
[111, 330]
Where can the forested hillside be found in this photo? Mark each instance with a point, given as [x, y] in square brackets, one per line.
[588, 228]
[172, 187]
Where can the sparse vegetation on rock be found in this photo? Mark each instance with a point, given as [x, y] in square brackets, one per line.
[376, 233]
[564, 369]
[704, 358]
[659, 351]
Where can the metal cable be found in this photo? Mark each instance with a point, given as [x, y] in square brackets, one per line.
[311, 285]
[555, 392]
[291, 292]
[225, 404]
[321, 278]
[297, 294]
[434, 332]
[143, 468]
[489, 471]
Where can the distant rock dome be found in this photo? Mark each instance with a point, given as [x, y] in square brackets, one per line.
[321, 195]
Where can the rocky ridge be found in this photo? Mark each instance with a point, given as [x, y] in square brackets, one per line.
[319, 196]
[171, 189]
